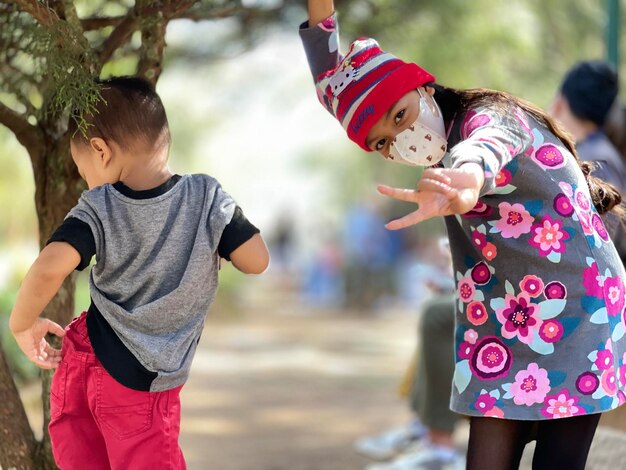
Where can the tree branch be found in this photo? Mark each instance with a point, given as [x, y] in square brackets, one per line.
[152, 46]
[94, 22]
[119, 36]
[44, 15]
[27, 135]
[199, 14]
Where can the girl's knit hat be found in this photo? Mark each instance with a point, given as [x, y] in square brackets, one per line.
[365, 84]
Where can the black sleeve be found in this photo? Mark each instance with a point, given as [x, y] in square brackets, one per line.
[238, 231]
[78, 234]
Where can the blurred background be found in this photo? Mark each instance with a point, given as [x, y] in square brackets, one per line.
[299, 362]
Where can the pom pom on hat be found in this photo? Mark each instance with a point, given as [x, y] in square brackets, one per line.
[365, 84]
[590, 89]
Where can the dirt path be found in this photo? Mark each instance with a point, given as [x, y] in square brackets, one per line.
[293, 391]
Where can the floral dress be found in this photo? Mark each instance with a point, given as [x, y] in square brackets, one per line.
[540, 315]
[540, 287]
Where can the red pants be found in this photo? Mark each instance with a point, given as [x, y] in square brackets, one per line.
[97, 423]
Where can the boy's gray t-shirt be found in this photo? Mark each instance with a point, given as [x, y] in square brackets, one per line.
[156, 268]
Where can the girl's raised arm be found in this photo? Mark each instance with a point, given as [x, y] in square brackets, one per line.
[319, 10]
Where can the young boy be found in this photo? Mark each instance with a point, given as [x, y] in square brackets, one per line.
[157, 238]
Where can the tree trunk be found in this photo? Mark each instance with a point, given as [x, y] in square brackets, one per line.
[58, 186]
[17, 442]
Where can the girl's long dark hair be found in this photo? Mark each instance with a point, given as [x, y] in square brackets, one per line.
[605, 196]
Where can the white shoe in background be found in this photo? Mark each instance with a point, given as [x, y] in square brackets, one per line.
[390, 443]
[424, 456]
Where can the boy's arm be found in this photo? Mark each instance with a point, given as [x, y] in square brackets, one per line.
[251, 257]
[319, 10]
[55, 262]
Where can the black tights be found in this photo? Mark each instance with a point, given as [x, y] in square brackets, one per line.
[497, 444]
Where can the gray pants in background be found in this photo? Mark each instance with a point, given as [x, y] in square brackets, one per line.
[432, 383]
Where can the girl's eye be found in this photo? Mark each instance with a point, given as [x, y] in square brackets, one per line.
[380, 144]
[399, 116]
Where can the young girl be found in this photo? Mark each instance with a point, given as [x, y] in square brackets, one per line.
[540, 320]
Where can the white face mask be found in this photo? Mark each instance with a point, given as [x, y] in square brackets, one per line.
[424, 142]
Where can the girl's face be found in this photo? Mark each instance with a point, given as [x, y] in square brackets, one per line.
[399, 117]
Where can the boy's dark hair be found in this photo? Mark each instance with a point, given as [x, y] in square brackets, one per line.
[130, 111]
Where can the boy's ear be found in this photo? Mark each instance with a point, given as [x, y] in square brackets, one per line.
[102, 149]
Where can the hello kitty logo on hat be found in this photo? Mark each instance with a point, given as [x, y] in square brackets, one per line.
[362, 87]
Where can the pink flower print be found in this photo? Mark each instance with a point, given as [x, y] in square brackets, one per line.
[479, 210]
[585, 221]
[519, 317]
[472, 122]
[532, 285]
[480, 274]
[549, 157]
[563, 205]
[477, 313]
[598, 226]
[470, 336]
[551, 331]
[514, 221]
[531, 385]
[613, 289]
[621, 397]
[593, 281]
[587, 383]
[561, 405]
[555, 290]
[466, 289]
[491, 358]
[503, 178]
[479, 239]
[494, 412]
[490, 251]
[484, 402]
[582, 200]
[604, 360]
[608, 382]
[465, 350]
[548, 236]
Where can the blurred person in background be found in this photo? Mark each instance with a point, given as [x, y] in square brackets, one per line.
[586, 99]
[369, 256]
[428, 439]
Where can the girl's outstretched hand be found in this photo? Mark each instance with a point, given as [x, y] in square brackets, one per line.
[441, 191]
[33, 342]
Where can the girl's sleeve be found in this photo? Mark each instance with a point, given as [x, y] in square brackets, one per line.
[491, 138]
[321, 45]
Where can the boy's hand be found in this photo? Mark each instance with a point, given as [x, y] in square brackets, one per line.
[440, 192]
[33, 342]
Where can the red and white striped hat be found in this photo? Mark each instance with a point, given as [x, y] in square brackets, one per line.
[365, 84]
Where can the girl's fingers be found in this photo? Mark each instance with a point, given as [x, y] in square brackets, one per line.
[409, 195]
[436, 174]
[406, 221]
[435, 186]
